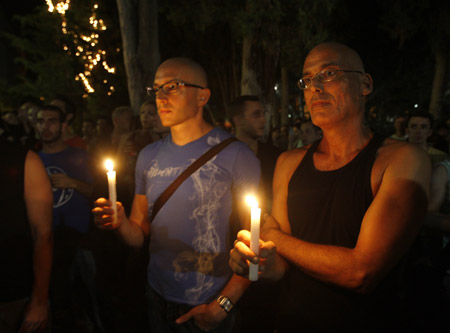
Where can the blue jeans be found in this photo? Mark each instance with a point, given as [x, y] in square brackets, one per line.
[162, 315]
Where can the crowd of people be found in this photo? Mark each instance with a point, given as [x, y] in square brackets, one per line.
[354, 229]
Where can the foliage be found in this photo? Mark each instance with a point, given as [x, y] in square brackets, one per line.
[46, 69]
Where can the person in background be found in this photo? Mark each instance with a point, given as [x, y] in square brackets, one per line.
[258, 305]
[70, 172]
[69, 137]
[89, 133]
[400, 128]
[419, 129]
[309, 132]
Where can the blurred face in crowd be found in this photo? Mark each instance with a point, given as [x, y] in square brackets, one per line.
[400, 124]
[49, 126]
[88, 129]
[253, 119]
[308, 133]
[343, 98]
[147, 116]
[32, 115]
[123, 121]
[10, 117]
[418, 130]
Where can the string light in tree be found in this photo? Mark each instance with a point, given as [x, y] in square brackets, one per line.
[85, 45]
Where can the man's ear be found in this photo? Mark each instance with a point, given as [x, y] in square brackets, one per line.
[203, 96]
[366, 84]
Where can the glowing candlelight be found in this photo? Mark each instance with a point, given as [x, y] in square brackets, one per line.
[112, 187]
[254, 231]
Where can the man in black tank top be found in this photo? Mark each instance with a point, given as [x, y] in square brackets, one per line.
[345, 210]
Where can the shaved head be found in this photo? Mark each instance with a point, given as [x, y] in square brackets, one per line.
[344, 55]
[188, 70]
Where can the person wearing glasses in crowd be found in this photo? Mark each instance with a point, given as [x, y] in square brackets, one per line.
[190, 284]
[345, 209]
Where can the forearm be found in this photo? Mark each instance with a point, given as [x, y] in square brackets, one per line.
[332, 264]
[235, 288]
[42, 264]
[130, 233]
[82, 187]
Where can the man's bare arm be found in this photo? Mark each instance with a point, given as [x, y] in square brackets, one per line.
[39, 203]
[132, 230]
[387, 230]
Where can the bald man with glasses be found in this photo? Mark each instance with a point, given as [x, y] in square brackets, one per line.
[345, 210]
[190, 284]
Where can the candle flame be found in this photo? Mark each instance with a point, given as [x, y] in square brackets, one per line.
[109, 165]
[251, 201]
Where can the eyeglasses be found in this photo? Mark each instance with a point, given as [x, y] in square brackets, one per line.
[326, 75]
[170, 88]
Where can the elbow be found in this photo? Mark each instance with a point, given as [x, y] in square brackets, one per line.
[362, 282]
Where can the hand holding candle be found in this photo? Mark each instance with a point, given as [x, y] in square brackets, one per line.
[112, 188]
[254, 231]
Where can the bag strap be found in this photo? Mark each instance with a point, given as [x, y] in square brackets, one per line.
[186, 173]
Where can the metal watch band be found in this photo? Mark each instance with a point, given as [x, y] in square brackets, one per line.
[225, 303]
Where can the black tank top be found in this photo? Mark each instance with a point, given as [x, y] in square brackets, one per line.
[327, 207]
[15, 234]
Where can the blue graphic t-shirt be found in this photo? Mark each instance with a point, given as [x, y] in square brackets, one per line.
[189, 239]
[70, 207]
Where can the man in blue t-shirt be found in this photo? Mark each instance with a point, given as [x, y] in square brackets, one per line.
[190, 285]
[70, 175]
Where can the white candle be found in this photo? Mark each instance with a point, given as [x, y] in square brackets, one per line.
[112, 188]
[254, 238]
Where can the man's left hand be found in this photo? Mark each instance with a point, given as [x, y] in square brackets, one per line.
[60, 180]
[35, 318]
[205, 316]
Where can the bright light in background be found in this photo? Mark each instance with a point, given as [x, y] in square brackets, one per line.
[90, 53]
[416, 106]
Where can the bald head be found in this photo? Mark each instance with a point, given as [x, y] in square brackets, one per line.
[186, 69]
[339, 54]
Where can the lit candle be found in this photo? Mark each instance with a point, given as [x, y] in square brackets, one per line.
[254, 238]
[112, 187]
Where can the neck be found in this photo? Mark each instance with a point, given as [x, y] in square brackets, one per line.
[185, 133]
[53, 147]
[250, 141]
[345, 142]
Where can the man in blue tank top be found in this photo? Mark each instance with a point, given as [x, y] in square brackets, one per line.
[190, 284]
[345, 210]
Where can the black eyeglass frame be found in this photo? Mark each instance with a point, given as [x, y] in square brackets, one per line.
[303, 86]
[154, 91]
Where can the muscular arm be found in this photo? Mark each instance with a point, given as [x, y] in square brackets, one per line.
[39, 199]
[132, 230]
[387, 230]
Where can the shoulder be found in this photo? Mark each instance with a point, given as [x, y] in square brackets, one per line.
[288, 162]
[395, 152]
[150, 150]
[397, 160]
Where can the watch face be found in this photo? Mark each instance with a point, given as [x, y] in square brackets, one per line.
[225, 303]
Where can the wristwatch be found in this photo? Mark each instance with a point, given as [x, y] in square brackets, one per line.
[225, 303]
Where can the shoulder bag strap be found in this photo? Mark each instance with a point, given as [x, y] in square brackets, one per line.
[186, 173]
